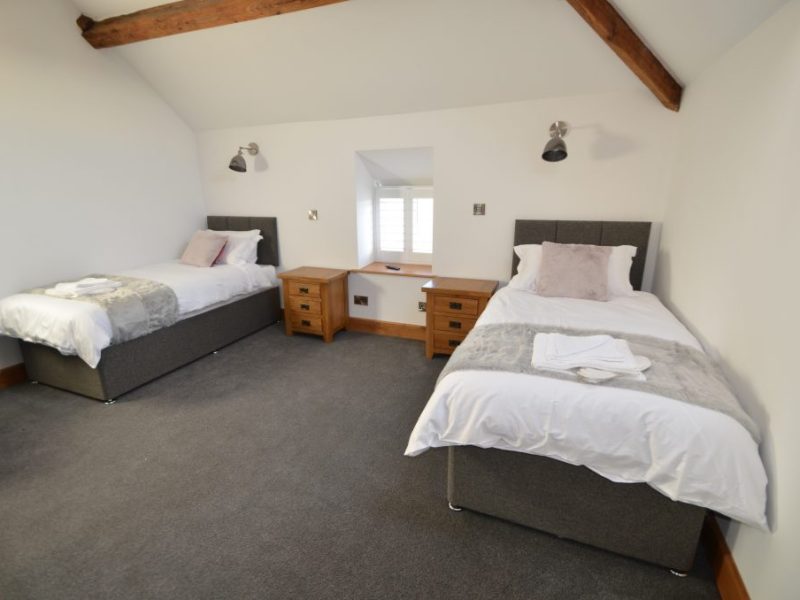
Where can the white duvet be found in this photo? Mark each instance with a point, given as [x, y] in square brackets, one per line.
[688, 453]
[83, 328]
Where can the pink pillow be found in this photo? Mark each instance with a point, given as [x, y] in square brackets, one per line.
[574, 271]
[203, 249]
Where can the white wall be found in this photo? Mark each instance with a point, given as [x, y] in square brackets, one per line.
[365, 223]
[391, 297]
[620, 152]
[97, 173]
[729, 262]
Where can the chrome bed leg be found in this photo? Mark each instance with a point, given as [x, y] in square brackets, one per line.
[109, 402]
[454, 508]
[679, 573]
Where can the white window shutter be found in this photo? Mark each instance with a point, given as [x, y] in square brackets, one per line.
[422, 225]
[391, 220]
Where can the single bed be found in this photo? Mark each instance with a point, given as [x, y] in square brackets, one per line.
[583, 461]
[214, 312]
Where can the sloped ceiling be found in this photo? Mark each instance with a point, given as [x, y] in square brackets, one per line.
[690, 35]
[375, 57]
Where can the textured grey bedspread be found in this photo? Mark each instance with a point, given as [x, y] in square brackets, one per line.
[139, 307]
[678, 372]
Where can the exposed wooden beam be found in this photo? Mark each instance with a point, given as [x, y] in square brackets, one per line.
[610, 26]
[184, 16]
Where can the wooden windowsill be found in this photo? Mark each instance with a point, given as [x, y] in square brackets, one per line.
[406, 269]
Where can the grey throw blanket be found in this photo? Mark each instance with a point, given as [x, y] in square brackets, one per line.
[678, 371]
[139, 307]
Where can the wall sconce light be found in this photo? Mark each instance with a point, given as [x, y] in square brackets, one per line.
[556, 150]
[238, 163]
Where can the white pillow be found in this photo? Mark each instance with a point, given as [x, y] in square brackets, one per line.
[242, 247]
[619, 269]
[530, 259]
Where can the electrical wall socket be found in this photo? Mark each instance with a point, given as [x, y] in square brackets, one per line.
[361, 300]
[422, 306]
[479, 210]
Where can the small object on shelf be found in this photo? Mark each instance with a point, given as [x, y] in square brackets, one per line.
[393, 267]
[453, 307]
[315, 301]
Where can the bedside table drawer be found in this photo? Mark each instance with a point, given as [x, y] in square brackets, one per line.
[453, 324]
[297, 288]
[307, 323]
[462, 306]
[303, 305]
[445, 343]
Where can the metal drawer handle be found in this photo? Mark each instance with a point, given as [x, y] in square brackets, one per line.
[455, 305]
[305, 307]
[305, 323]
[453, 343]
[303, 290]
[455, 325]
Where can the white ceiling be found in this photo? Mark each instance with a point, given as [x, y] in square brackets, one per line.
[374, 57]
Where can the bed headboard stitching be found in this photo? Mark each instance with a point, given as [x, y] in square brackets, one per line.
[267, 248]
[600, 233]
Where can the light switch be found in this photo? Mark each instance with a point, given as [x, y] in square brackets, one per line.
[312, 214]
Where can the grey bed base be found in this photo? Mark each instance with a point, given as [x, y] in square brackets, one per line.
[124, 367]
[571, 501]
[129, 365]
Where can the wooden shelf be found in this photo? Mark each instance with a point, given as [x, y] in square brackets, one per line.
[406, 269]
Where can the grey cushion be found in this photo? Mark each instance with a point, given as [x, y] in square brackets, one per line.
[574, 271]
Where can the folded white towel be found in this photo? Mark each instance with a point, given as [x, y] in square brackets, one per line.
[86, 287]
[86, 282]
[556, 350]
[559, 352]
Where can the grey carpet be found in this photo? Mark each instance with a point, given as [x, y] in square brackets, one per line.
[274, 469]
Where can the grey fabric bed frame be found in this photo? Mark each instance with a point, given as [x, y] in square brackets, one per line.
[131, 364]
[571, 501]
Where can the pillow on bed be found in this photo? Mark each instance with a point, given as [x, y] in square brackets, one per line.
[619, 269]
[574, 271]
[530, 257]
[242, 247]
[203, 249]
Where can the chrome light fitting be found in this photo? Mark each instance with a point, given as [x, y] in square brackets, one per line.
[556, 150]
[238, 163]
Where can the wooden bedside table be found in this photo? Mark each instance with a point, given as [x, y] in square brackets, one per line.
[315, 301]
[453, 306]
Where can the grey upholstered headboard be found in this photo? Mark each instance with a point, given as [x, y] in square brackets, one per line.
[599, 233]
[267, 248]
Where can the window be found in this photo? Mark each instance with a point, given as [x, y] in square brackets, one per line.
[404, 224]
